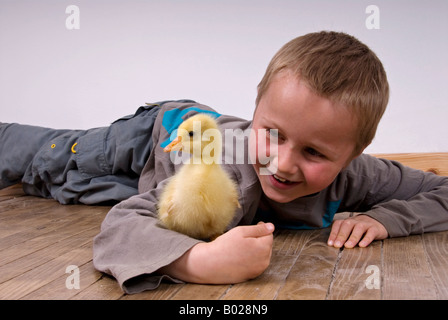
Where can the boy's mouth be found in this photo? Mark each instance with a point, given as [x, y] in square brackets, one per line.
[281, 179]
[283, 182]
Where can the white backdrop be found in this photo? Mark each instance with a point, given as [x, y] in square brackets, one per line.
[126, 53]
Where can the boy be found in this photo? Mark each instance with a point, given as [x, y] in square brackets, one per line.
[321, 99]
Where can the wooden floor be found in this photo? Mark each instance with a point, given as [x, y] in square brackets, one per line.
[40, 239]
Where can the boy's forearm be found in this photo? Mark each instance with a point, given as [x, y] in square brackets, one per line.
[189, 267]
[200, 265]
[238, 255]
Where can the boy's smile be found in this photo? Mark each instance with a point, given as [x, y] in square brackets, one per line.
[316, 139]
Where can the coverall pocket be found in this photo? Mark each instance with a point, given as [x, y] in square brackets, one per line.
[90, 154]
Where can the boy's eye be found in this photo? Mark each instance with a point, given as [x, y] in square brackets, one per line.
[313, 152]
[274, 135]
[272, 132]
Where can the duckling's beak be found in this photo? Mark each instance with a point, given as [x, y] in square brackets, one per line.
[175, 145]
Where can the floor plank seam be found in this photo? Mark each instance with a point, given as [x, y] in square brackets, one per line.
[288, 273]
[333, 274]
[225, 292]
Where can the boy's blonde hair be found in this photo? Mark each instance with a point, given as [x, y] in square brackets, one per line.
[340, 68]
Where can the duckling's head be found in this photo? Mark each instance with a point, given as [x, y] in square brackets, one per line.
[198, 135]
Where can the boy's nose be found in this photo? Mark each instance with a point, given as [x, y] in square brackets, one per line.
[287, 163]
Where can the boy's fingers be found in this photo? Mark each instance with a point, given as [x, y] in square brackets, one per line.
[356, 235]
[368, 238]
[344, 232]
[260, 230]
[361, 230]
[334, 232]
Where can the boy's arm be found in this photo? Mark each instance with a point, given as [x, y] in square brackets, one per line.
[134, 248]
[393, 200]
[240, 254]
[132, 245]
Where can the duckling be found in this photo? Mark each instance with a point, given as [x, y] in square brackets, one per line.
[200, 200]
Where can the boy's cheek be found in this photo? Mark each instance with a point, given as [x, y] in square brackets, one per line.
[261, 150]
[253, 150]
[320, 177]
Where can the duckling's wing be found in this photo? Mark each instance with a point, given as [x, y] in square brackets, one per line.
[166, 204]
[167, 210]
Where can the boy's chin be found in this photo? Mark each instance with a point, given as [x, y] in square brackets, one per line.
[278, 196]
[279, 199]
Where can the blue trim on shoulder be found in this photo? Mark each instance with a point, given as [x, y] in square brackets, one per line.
[332, 208]
[173, 118]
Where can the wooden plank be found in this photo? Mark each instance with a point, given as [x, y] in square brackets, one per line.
[289, 242]
[11, 192]
[25, 214]
[406, 273]
[25, 207]
[267, 285]
[287, 246]
[46, 237]
[164, 292]
[436, 162]
[57, 289]
[29, 216]
[310, 276]
[21, 204]
[105, 288]
[354, 268]
[42, 256]
[36, 278]
[436, 249]
[200, 292]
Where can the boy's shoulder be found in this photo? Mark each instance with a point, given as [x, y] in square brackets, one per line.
[365, 164]
[366, 175]
[173, 112]
[378, 179]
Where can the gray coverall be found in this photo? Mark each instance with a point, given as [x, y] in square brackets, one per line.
[94, 166]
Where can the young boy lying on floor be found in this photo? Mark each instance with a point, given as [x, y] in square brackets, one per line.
[321, 99]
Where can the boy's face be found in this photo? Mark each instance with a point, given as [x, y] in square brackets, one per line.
[316, 139]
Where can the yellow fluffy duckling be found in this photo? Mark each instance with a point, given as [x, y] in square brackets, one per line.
[200, 200]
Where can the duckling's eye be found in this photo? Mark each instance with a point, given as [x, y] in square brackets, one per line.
[190, 133]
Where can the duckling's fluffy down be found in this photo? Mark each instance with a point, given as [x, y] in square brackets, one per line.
[199, 201]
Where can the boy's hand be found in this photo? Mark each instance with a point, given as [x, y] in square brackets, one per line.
[238, 255]
[360, 229]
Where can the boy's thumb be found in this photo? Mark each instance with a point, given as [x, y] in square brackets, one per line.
[260, 230]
